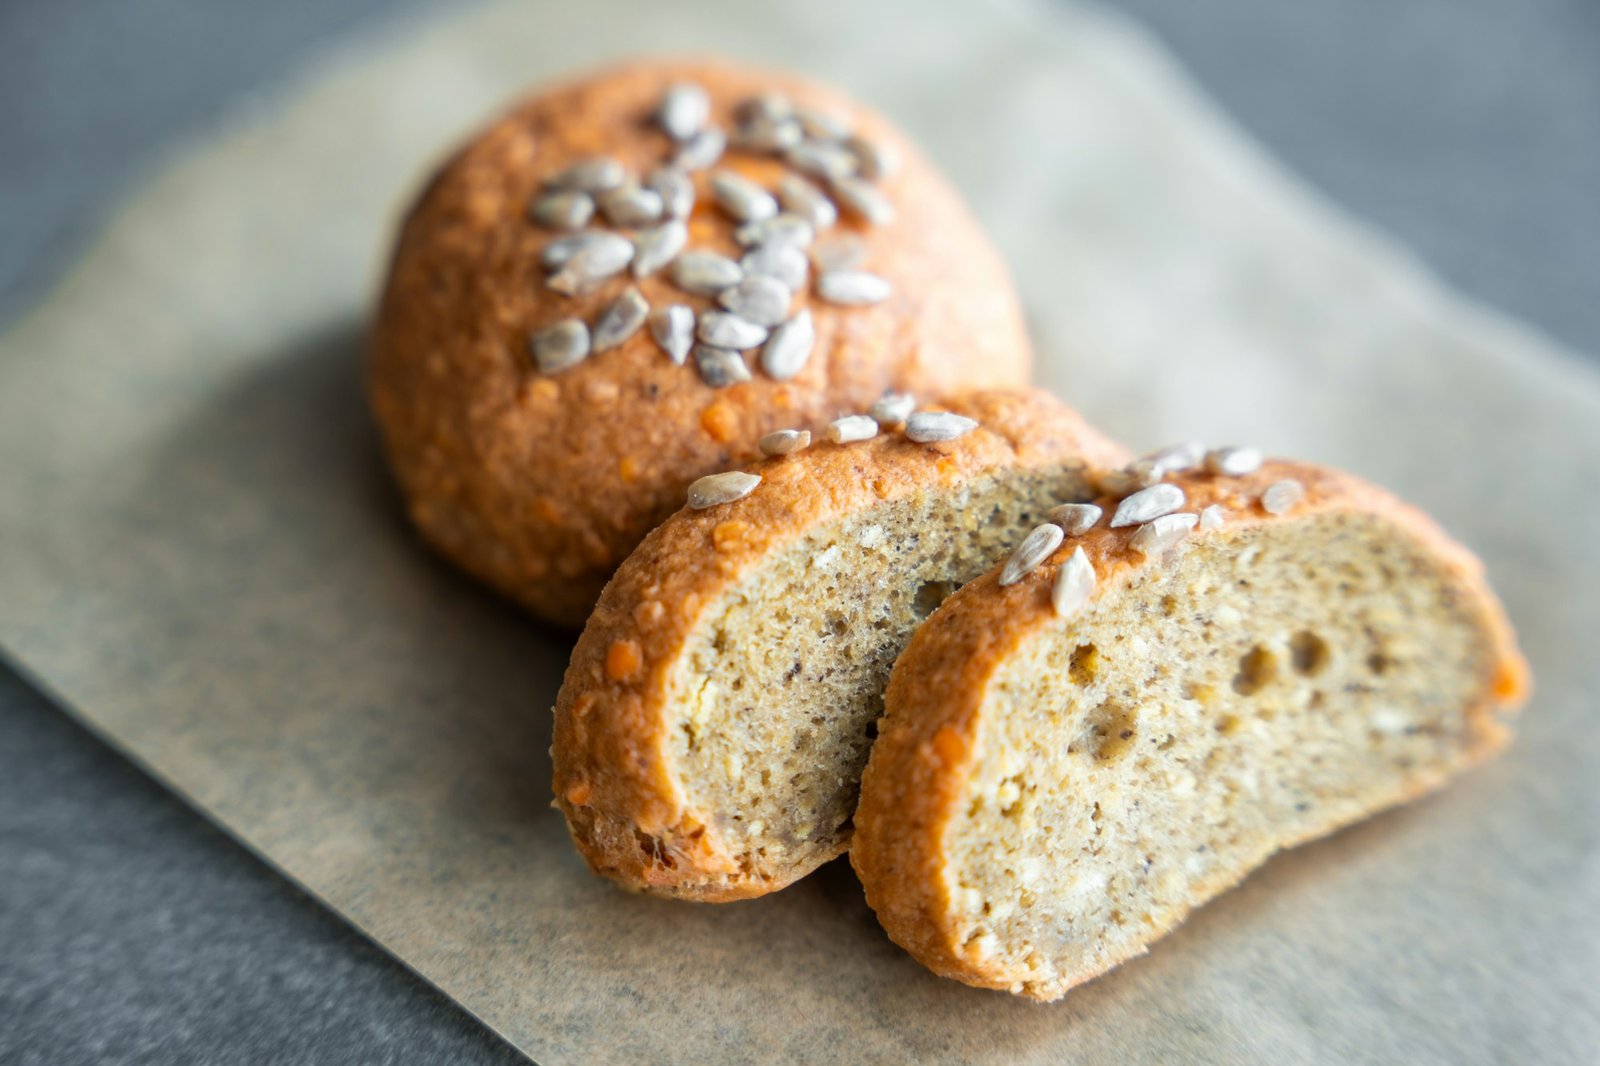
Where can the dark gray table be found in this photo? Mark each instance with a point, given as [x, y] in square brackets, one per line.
[132, 931]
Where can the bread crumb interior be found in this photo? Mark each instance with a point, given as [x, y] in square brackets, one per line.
[781, 690]
[1258, 689]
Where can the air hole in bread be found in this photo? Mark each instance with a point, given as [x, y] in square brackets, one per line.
[1257, 668]
[1308, 653]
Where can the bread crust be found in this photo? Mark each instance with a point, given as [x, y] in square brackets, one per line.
[627, 813]
[540, 484]
[917, 776]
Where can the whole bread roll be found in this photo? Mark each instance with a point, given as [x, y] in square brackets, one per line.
[536, 403]
[1084, 745]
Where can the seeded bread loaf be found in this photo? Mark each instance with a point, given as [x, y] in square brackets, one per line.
[1070, 763]
[719, 706]
[531, 365]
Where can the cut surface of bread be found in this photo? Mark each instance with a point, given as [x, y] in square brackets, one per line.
[1052, 793]
[719, 707]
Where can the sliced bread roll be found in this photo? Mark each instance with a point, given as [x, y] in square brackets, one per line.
[1218, 668]
[719, 706]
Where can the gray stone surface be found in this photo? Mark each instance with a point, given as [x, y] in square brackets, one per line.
[135, 932]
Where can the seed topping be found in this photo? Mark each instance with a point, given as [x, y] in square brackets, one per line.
[716, 489]
[1147, 504]
[785, 441]
[788, 349]
[620, 320]
[673, 329]
[1074, 584]
[1233, 461]
[1159, 534]
[560, 346]
[851, 428]
[1035, 548]
[1076, 519]
[929, 427]
[1281, 496]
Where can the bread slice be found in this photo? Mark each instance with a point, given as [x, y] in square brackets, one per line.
[719, 706]
[1052, 791]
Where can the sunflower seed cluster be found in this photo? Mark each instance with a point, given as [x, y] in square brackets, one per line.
[610, 222]
[1149, 504]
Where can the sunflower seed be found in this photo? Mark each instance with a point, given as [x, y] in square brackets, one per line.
[851, 428]
[782, 262]
[563, 345]
[825, 160]
[675, 188]
[787, 350]
[720, 367]
[874, 159]
[852, 288]
[620, 320]
[1159, 534]
[702, 150]
[822, 125]
[1075, 519]
[742, 198]
[655, 248]
[629, 206]
[1117, 482]
[1176, 458]
[861, 198]
[562, 210]
[705, 273]
[714, 489]
[1034, 549]
[1142, 473]
[595, 174]
[1146, 504]
[1212, 517]
[766, 106]
[757, 298]
[558, 251]
[802, 198]
[768, 135]
[720, 329]
[1233, 461]
[590, 266]
[1074, 584]
[1282, 495]
[785, 441]
[779, 229]
[673, 328]
[684, 110]
[843, 252]
[926, 427]
[893, 409]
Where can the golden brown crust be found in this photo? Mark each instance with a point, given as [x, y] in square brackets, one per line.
[541, 484]
[916, 778]
[626, 812]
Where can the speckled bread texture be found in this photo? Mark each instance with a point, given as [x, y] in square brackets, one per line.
[1050, 794]
[541, 484]
[697, 619]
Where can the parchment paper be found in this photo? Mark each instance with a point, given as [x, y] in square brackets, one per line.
[200, 556]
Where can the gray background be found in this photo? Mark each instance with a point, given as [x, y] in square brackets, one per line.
[132, 931]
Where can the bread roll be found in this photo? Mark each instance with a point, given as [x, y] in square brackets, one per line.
[1069, 764]
[536, 424]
